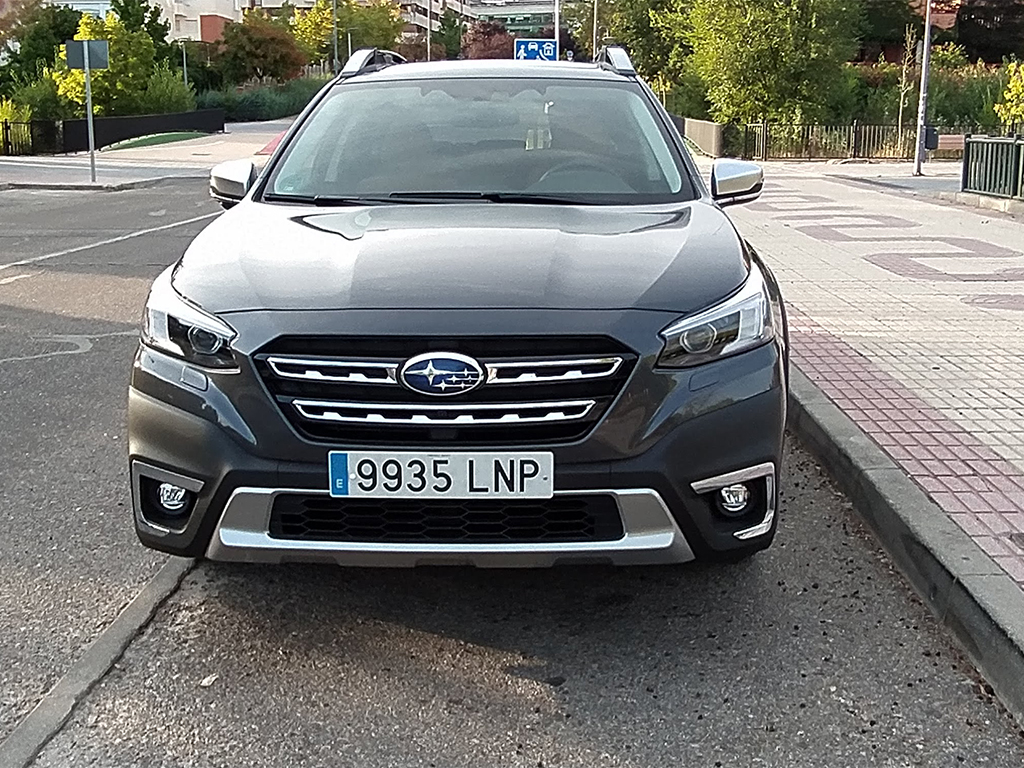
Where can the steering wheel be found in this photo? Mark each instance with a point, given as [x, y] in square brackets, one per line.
[583, 165]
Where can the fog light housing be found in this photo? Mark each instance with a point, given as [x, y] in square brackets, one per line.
[734, 499]
[173, 498]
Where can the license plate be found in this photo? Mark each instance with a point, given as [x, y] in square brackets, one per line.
[441, 475]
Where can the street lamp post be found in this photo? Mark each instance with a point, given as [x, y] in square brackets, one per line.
[594, 49]
[429, 3]
[922, 103]
[184, 62]
[558, 32]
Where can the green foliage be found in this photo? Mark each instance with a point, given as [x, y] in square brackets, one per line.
[139, 16]
[39, 34]
[43, 99]
[949, 56]
[258, 48]
[763, 59]
[884, 23]
[376, 24]
[119, 90]
[264, 102]
[1011, 107]
[166, 92]
[578, 18]
[16, 113]
[649, 30]
[449, 33]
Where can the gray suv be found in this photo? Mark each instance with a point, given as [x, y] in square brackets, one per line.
[472, 312]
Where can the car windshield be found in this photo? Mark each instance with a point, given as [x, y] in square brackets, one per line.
[516, 139]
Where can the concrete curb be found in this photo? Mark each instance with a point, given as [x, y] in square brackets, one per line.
[118, 187]
[974, 200]
[29, 737]
[968, 592]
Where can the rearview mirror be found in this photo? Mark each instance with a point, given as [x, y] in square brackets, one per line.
[735, 181]
[230, 181]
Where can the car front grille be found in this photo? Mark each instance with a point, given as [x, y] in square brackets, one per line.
[588, 518]
[537, 390]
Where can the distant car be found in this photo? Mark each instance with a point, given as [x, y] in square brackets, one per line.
[478, 312]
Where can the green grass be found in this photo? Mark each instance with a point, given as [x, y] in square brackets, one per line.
[157, 138]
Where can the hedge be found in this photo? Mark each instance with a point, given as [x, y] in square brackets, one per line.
[262, 102]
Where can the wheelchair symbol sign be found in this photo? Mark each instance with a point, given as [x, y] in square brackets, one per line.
[536, 50]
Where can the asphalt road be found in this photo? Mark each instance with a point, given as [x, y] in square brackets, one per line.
[814, 653]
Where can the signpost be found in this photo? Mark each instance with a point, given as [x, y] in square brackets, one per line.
[88, 55]
[536, 50]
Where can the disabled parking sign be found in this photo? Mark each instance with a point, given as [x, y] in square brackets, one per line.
[536, 50]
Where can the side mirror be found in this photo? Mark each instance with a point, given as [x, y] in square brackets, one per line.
[736, 181]
[230, 181]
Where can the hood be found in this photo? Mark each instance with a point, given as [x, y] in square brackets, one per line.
[463, 256]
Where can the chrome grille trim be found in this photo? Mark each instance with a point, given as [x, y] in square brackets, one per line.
[477, 414]
[540, 370]
[351, 371]
[507, 372]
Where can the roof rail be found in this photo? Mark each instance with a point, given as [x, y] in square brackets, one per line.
[369, 60]
[615, 58]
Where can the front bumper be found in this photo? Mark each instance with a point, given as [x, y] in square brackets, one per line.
[667, 444]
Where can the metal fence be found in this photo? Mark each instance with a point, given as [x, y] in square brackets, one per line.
[36, 137]
[835, 142]
[994, 165]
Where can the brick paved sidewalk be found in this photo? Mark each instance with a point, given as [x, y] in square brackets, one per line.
[910, 316]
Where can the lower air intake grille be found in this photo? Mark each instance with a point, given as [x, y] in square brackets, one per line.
[560, 519]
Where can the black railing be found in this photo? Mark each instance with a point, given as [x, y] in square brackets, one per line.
[35, 137]
[994, 165]
[772, 141]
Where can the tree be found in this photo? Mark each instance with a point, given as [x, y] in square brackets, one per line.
[375, 25]
[140, 16]
[120, 89]
[258, 48]
[907, 79]
[884, 24]
[991, 29]
[449, 33]
[1011, 108]
[39, 33]
[487, 40]
[763, 59]
[633, 25]
[578, 17]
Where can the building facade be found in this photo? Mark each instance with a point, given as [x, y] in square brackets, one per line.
[519, 17]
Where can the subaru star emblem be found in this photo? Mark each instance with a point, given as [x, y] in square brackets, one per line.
[442, 373]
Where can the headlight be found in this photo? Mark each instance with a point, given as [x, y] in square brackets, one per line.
[741, 322]
[174, 325]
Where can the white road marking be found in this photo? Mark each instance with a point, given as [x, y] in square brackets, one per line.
[81, 345]
[112, 240]
[12, 278]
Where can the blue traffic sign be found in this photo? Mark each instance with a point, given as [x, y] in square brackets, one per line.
[540, 50]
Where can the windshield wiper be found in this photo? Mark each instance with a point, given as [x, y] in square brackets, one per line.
[493, 197]
[326, 200]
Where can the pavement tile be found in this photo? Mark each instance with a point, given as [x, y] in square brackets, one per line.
[884, 319]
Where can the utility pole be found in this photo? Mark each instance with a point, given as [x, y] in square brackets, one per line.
[429, 3]
[594, 50]
[558, 32]
[334, 15]
[922, 103]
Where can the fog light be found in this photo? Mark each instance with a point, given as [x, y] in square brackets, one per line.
[734, 498]
[173, 498]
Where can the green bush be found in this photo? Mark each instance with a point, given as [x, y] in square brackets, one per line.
[16, 113]
[263, 102]
[42, 99]
[166, 92]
